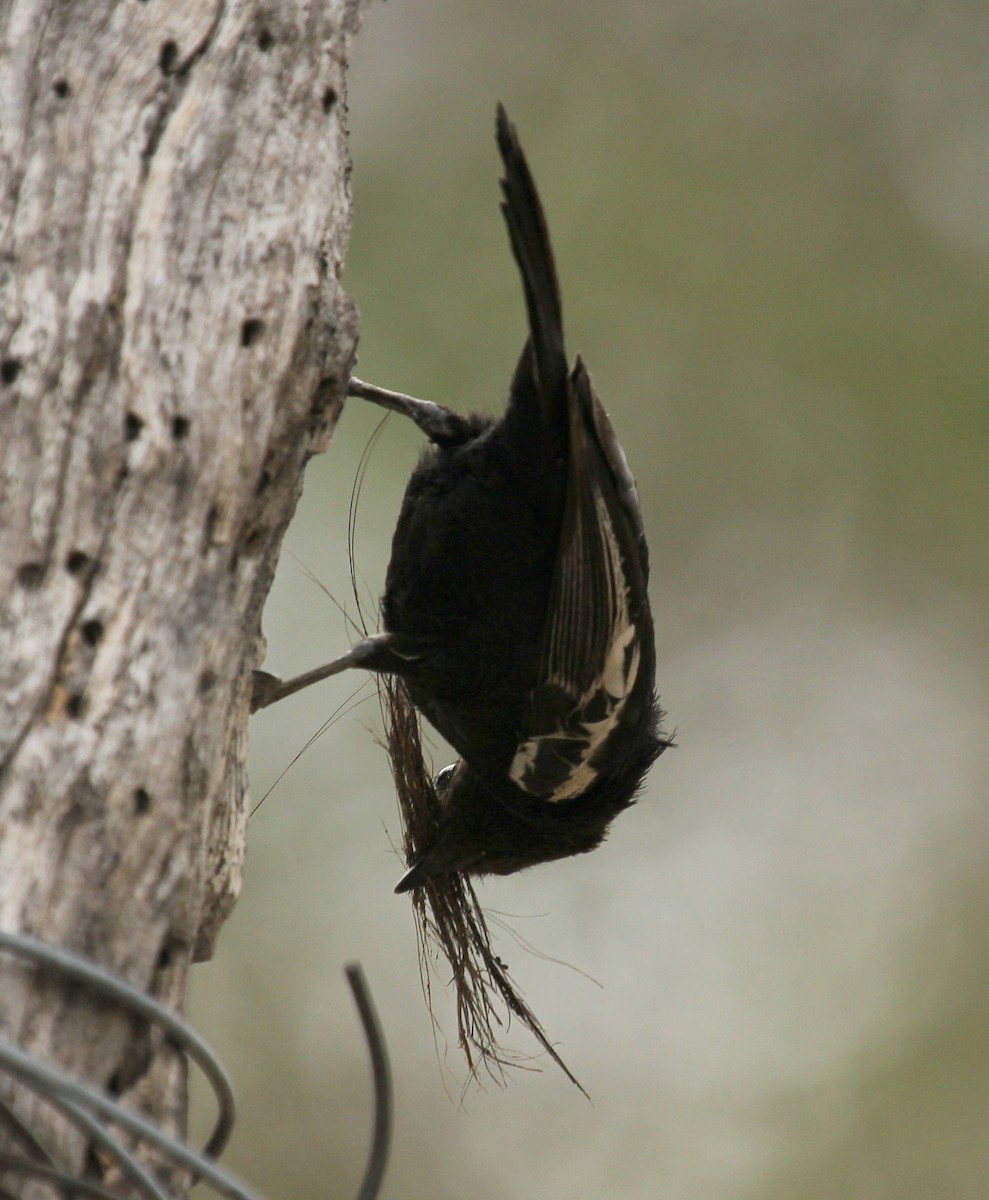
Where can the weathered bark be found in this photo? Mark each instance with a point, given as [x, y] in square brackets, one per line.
[174, 212]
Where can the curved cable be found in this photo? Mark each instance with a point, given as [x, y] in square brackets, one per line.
[92, 1110]
[377, 1158]
[131, 998]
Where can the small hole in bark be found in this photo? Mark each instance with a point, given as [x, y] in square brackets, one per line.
[30, 575]
[250, 331]
[167, 57]
[329, 99]
[77, 562]
[209, 529]
[180, 428]
[92, 632]
[326, 389]
[265, 41]
[165, 957]
[10, 368]
[207, 681]
[254, 540]
[142, 801]
[264, 482]
[75, 706]
[133, 425]
[61, 88]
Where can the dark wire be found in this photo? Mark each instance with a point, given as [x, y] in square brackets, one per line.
[74, 1098]
[377, 1158]
[78, 1102]
[69, 1183]
[102, 981]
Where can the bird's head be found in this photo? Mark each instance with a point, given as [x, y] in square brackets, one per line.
[492, 827]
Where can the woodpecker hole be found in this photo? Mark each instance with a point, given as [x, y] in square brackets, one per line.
[75, 706]
[92, 632]
[142, 801]
[265, 41]
[133, 425]
[250, 331]
[263, 483]
[30, 575]
[329, 99]
[165, 957]
[180, 428]
[324, 393]
[254, 540]
[77, 562]
[10, 368]
[61, 88]
[207, 681]
[212, 517]
[167, 57]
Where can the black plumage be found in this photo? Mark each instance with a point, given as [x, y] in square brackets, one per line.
[515, 606]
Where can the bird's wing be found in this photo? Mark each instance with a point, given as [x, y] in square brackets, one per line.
[598, 619]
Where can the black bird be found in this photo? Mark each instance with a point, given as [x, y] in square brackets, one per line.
[515, 606]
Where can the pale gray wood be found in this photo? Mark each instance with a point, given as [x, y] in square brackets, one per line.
[174, 211]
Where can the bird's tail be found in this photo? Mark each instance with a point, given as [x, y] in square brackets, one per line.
[530, 245]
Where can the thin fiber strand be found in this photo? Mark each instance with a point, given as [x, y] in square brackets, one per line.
[449, 917]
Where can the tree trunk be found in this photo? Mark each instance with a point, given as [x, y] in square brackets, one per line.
[174, 344]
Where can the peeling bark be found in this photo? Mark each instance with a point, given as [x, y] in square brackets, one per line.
[174, 343]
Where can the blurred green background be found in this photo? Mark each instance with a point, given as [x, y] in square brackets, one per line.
[771, 226]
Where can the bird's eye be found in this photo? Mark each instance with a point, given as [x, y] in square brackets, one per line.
[444, 777]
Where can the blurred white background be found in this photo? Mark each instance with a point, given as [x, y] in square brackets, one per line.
[770, 224]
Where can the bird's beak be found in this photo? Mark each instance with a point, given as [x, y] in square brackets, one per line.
[415, 876]
[439, 858]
